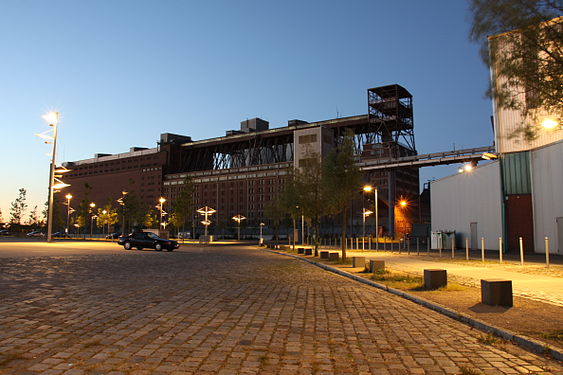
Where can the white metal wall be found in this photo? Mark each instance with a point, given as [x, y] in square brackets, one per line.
[547, 189]
[459, 200]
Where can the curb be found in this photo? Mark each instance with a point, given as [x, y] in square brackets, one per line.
[522, 341]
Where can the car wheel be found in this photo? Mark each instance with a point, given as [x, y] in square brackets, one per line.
[127, 245]
[158, 247]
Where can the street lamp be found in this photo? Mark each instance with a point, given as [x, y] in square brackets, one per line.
[104, 212]
[68, 198]
[161, 200]
[52, 119]
[369, 189]
[238, 219]
[122, 204]
[92, 205]
[261, 237]
[206, 212]
[365, 213]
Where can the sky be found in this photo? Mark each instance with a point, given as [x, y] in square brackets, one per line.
[121, 72]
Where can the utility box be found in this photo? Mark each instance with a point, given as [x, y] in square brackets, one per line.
[442, 240]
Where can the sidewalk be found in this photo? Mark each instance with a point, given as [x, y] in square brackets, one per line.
[533, 281]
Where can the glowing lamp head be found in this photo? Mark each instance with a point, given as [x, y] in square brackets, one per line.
[52, 118]
[104, 212]
[467, 167]
[92, 204]
[368, 188]
[68, 196]
[549, 123]
[403, 203]
[162, 200]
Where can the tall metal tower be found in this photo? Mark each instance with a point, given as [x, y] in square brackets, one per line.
[391, 122]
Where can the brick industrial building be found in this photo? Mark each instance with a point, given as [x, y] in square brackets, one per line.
[241, 172]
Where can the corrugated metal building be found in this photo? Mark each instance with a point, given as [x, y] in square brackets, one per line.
[531, 186]
[470, 205]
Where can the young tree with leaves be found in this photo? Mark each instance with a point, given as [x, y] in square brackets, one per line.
[527, 58]
[182, 206]
[18, 207]
[341, 182]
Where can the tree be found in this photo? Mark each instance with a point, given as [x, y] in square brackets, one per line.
[341, 182]
[182, 206]
[18, 207]
[150, 218]
[307, 191]
[527, 60]
[33, 218]
[107, 215]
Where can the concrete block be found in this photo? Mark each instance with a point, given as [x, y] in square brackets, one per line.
[334, 256]
[300, 250]
[496, 292]
[358, 262]
[324, 254]
[308, 251]
[376, 265]
[436, 278]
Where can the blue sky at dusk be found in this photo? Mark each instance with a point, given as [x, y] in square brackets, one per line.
[123, 71]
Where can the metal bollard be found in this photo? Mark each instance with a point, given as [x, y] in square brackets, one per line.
[467, 249]
[521, 251]
[500, 249]
[417, 246]
[483, 249]
[453, 247]
[428, 245]
[547, 252]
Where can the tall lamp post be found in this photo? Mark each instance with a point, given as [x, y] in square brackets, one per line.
[52, 119]
[161, 200]
[238, 219]
[369, 189]
[261, 237]
[365, 213]
[104, 212]
[206, 212]
[122, 204]
[68, 198]
[92, 205]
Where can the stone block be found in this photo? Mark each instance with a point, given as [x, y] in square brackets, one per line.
[308, 251]
[324, 254]
[358, 262]
[333, 256]
[300, 250]
[496, 292]
[376, 265]
[435, 278]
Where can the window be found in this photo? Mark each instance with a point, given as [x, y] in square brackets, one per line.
[311, 138]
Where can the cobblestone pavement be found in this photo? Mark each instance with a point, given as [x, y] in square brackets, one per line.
[225, 310]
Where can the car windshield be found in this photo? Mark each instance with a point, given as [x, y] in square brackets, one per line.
[152, 236]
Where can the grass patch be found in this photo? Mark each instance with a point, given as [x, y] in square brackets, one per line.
[488, 339]
[397, 280]
[555, 335]
[348, 261]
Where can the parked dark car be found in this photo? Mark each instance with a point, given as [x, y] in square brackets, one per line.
[113, 236]
[142, 240]
[60, 234]
[35, 233]
[5, 232]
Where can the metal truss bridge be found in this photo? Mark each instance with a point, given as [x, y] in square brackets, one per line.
[427, 160]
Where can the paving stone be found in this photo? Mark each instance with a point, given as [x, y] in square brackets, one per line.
[224, 310]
